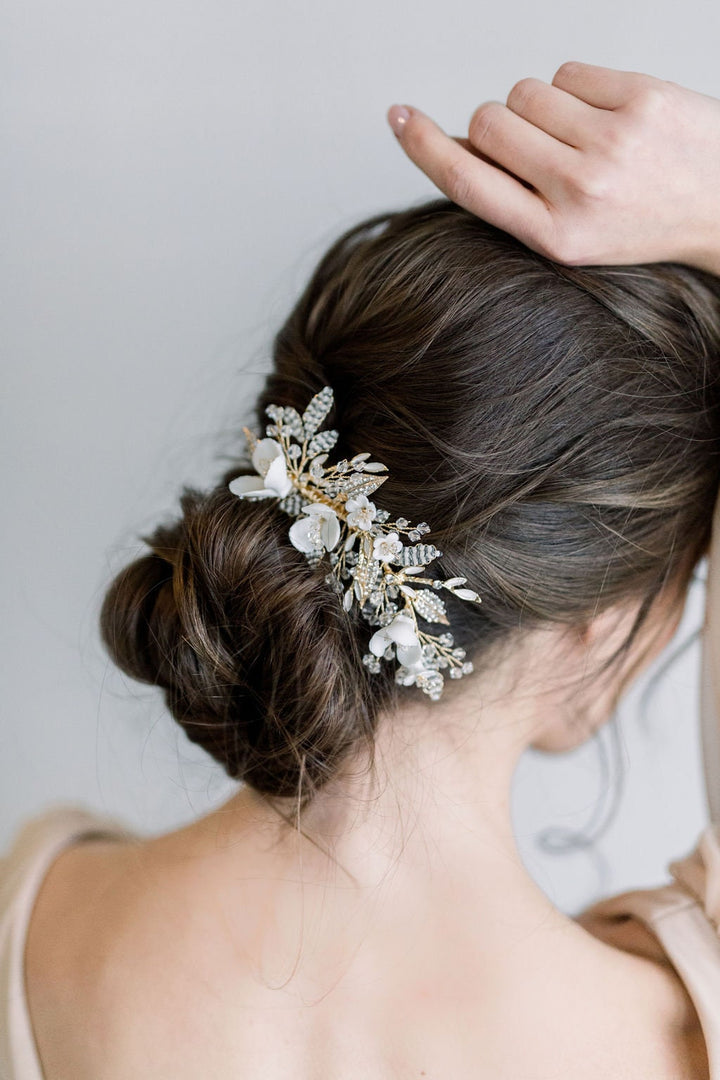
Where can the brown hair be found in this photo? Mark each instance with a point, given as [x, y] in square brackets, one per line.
[557, 426]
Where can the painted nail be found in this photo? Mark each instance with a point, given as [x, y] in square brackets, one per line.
[397, 116]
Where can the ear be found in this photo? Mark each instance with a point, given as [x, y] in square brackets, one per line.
[606, 632]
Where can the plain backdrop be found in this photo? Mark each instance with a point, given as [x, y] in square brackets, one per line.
[171, 172]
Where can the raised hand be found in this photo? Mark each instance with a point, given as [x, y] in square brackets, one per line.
[600, 166]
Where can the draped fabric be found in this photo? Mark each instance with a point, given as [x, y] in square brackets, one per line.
[710, 675]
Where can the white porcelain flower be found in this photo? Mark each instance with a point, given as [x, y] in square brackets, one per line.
[401, 633]
[320, 528]
[361, 513]
[269, 460]
[386, 547]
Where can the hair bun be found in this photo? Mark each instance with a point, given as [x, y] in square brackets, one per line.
[256, 656]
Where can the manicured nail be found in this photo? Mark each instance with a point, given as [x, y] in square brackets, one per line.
[397, 116]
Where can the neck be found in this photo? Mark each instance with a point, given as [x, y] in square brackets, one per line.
[412, 871]
[433, 819]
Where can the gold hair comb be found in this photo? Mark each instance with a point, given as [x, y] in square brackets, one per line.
[371, 567]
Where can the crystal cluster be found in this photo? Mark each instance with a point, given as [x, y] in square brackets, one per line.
[371, 566]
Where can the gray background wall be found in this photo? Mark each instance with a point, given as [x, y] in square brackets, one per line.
[171, 172]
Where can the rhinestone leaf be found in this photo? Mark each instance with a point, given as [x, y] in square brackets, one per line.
[291, 420]
[367, 574]
[356, 484]
[419, 555]
[430, 607]
[324, 440]
[292, 503]
[317, 410]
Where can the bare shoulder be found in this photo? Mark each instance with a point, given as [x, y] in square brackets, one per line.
[70, 895]
[69, 906]
[686, 1047]
[121, 955]
[130, 944]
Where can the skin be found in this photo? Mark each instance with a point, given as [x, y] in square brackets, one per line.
[399, 935]
[598, 166]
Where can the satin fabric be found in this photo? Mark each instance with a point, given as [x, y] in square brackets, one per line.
[710, 675]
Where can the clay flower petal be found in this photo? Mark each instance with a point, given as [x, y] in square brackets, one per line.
[320, 528]
[400, 632]
[330, 530]
[305, 535]
[276, 478]
[379, 642]
[410, 656]
[273, 480]
[361, 513]
[265, 452]
[250, 487]
[386, 547]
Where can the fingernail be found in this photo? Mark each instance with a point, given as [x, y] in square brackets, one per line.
[397, 116]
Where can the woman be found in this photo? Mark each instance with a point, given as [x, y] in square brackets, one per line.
[545, 436]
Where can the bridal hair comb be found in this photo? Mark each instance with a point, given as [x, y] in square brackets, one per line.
[370, 565]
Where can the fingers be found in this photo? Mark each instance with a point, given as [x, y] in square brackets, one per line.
[474, 183]
[559, 113]
[520, 146]
[603, 87]
[467, 145]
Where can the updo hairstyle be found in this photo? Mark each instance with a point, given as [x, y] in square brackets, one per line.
[557, 426]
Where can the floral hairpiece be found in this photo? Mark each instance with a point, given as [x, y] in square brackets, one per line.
[370, 565]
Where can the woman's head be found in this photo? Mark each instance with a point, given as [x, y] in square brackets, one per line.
[557, 426]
